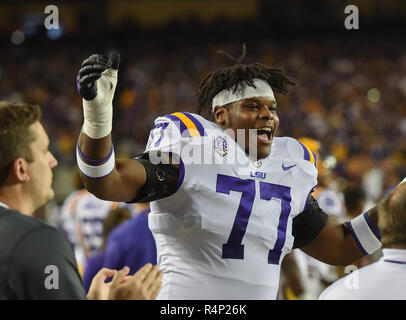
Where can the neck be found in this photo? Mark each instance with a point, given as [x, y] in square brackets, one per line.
[141, 206]
[14, 198]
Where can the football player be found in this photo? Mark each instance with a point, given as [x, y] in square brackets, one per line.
[228, 198]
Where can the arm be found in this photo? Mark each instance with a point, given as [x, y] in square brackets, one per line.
[97, 80]
[123, 183]
[121, 180]
[335, 243]
[329, 241]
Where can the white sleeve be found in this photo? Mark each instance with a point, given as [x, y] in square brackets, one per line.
[164, 137]
[306, 177]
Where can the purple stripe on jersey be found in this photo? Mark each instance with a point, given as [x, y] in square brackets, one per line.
[306, 152]
[394, 261]
[196, 123]
[356, 239]
[372, 225]
[308, 196]
[181, 170]
[92, 160]
[179, 123]
[315, 159]
[181, 175]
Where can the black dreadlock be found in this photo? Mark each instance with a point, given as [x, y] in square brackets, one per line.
[227, 78]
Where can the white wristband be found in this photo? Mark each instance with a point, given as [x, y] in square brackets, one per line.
[100, 171]
[363, 235]
[403, 181]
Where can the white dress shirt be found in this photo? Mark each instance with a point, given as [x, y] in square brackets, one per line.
[382, 280]
[4, 205]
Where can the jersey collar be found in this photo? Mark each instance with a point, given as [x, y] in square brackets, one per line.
[394, 256]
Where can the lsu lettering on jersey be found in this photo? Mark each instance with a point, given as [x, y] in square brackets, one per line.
[225, 231]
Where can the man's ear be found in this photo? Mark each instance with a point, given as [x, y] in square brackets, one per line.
[220, 115]
[20, 170]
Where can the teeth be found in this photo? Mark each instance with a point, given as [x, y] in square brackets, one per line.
[265, 129]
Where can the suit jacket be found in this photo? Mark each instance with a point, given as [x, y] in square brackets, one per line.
[36, 261]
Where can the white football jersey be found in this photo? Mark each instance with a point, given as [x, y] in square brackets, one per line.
[67, 219]
[82, 209]
[331, 203]
[225, 231]
[90, 214]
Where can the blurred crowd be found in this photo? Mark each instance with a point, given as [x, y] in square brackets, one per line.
[349, 96]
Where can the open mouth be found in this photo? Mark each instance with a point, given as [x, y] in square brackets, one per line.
[264, 134]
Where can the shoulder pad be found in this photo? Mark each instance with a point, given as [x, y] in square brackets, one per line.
[299, 151]
[188, 124]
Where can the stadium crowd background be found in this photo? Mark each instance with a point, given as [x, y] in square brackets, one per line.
[350, 91]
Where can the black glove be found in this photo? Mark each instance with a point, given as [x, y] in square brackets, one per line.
[91, 70]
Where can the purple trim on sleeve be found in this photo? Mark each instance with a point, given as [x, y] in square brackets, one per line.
[181, 175]
[372, 225]
[308, 196]
[394, 261]
[181, 170]
[196, 123]
[356, 239]
[92, 160]
[315, 160]
[306, 152]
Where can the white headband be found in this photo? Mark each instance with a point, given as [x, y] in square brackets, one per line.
[244, 91]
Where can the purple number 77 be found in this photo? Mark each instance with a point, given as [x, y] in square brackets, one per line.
[233, 248]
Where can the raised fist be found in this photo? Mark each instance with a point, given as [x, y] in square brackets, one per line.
[97, 77]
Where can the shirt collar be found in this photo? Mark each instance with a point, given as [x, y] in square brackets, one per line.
[4, 205]
[394, 256]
